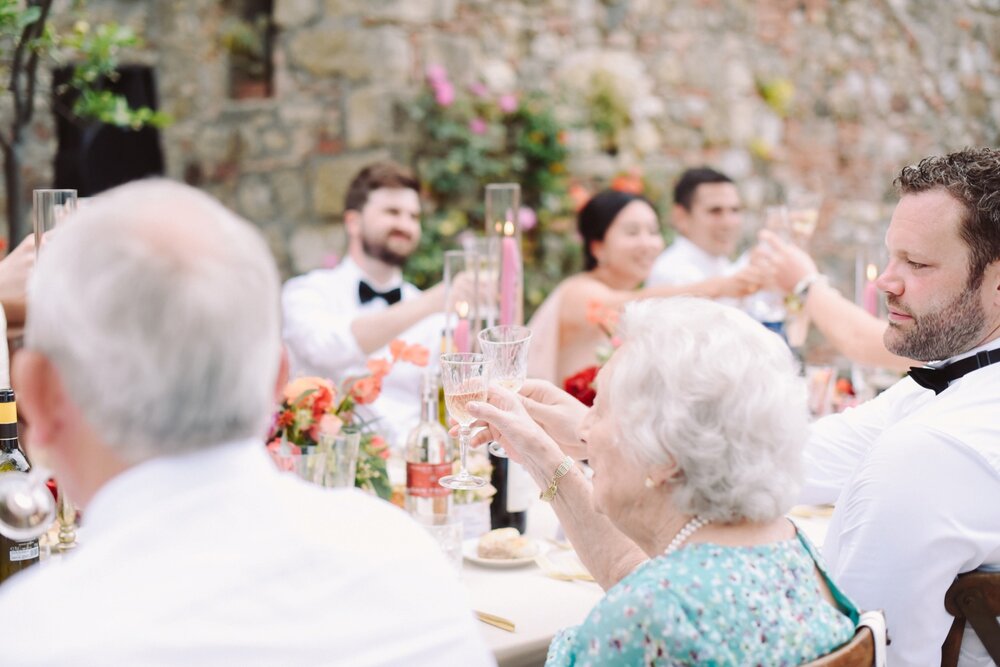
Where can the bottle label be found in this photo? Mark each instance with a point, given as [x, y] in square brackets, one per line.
[23, 551]
[521, 489]
[422, 479]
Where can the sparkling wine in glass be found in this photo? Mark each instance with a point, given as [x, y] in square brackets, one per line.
[506, 347]
[465, 378]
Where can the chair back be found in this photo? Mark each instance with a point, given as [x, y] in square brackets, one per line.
[866, 649]
[974, 597]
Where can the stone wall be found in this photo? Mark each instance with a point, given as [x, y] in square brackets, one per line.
[823, 95]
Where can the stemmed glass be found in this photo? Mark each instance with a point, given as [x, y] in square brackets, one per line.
[506, 347]
[465, 378]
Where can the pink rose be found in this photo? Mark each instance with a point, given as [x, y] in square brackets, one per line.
[477, 126]
[444, 93]
[478, 89]
[526, 216]
[329, 425]
[437, 74]
[507, 103]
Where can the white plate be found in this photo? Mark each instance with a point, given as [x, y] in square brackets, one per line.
[469, 550]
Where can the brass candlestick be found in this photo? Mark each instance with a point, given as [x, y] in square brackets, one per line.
[66, 513]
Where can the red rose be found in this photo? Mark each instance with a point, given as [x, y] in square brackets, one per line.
[581, 385]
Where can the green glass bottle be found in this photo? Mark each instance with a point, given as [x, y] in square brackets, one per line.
[14, 556]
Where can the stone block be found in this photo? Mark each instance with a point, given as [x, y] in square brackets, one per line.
[331, 176]
[292, 13]
[329, 50]
[314, 247]
[409, 11]
[369, 117]
[255, 200]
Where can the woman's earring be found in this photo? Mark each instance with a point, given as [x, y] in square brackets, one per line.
[650, 484]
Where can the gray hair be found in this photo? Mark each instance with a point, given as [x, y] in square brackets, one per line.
[711, 388]
[159, 309]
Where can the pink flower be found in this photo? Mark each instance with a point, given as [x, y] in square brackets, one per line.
[526, 216]
[330, 260]
[507, 103]
[437, 74]
[478, 89]
[477, 126]
[444, 93]
[330, 425]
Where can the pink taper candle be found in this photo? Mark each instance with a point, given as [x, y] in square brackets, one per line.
[510, 262]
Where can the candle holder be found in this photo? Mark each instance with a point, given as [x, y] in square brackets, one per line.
[503, 229]
[461, 310]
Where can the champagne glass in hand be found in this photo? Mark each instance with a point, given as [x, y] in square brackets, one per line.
[465, 378]
[506, 347]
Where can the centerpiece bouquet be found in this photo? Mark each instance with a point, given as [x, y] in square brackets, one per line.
[314, 408]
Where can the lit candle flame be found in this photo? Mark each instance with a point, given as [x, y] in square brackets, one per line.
[871, 272]
[508, 228]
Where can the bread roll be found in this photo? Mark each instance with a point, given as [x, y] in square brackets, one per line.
[505, 544]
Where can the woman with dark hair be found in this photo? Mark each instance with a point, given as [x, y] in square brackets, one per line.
[621, 240]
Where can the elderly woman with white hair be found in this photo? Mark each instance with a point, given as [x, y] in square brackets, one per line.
[695, 441]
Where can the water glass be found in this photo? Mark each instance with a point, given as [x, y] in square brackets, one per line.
[447, 532]
[342, 457]
[309, 463]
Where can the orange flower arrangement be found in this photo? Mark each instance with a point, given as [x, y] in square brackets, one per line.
[313, 408]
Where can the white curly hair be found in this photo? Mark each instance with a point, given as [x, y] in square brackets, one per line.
[720, 394]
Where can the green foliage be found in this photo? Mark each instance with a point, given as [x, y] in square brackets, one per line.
[778, 93]
[469, 140]
[609, 113]
[98, 51]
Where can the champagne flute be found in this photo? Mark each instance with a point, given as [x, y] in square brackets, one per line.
[50, 209]
[506, 347]
[465, 378]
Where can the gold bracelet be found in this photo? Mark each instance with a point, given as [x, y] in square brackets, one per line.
[564, 467]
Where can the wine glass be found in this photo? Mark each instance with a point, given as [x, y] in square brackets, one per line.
[27, 507]
[465, 378]
[506, 347]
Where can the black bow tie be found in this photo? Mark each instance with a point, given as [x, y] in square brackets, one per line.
[366, 293]
[939, 378]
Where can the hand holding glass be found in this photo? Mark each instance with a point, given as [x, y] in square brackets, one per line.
[506, 347]
[465, 378]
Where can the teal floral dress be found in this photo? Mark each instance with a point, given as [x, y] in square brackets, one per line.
[707, 604]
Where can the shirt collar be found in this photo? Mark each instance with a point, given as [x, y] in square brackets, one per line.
[700, 255]
[146, 484]
[350, 267]
[988, 345]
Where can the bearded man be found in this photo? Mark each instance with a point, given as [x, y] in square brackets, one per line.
[335, 319]
[915, 472]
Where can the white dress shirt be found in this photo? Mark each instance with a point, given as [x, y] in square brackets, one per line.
[916, 479]
[683, 263]
[216, 558]
[319, 308]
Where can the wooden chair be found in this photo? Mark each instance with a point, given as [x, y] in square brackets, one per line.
[974, 597]
[867, 648]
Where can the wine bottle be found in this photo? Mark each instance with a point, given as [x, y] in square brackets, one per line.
[509, 506]
[429, 457]
[14, 556]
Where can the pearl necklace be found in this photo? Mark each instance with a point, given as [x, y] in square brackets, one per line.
[687, 531]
